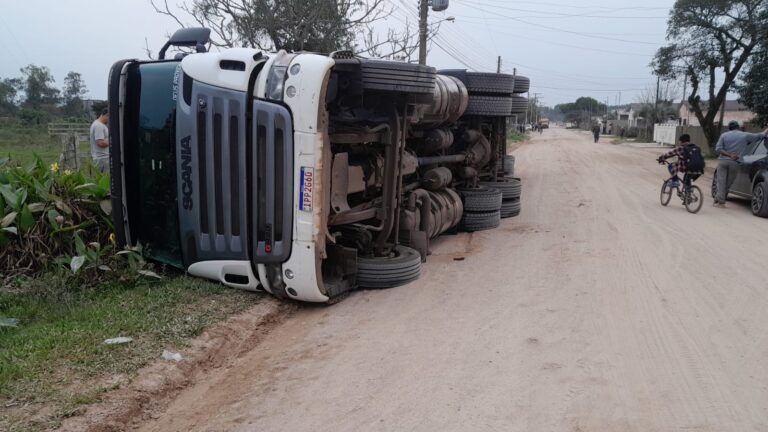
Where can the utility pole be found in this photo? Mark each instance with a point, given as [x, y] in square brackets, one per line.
[656, 105]
[498, 65]
[423, 12]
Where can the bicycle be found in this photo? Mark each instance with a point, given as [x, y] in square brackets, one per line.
[690, 194]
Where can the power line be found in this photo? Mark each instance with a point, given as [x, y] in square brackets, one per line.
[551, 14]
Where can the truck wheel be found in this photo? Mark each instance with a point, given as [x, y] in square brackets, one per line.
[490, 106]
[397, 77]
[519, 104]
[481, 199]
[522, 84]
[483, 82]
[480, 221]
[507, 165]
[760, 199]
[510, 208]
[401, 267]
[509, 187]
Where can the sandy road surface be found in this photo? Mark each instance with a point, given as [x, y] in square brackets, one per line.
[594, 310]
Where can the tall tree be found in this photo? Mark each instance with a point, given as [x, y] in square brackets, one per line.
[73, 93]
[293, 25]
[9, 90]
[710, 39]
[753, 91]
[38, 86]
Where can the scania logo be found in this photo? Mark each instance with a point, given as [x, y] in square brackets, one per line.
[186, 173]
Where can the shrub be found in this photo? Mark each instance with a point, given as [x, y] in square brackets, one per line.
[60, 218]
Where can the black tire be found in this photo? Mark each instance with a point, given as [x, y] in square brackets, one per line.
[402, 267]
[519, 104]
[666, 193]
[489, 106]
[507, 165]
[510, 187]
[397, 77]
[693, 199]
[480, 221]
[522, 84]
[510, 208]
[481, 199]
[759, 200]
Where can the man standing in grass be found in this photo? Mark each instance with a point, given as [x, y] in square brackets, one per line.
[100, 141]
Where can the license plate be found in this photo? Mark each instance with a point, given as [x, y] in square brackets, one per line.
[306, 189]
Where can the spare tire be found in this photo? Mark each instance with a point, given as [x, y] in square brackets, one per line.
[397, 77]
[490, 106]
[402, 266]
[522, 84]
[507, 165]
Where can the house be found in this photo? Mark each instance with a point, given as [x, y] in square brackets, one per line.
[733, 111]
[628, 116]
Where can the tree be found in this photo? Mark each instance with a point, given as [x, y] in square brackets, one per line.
[38, 87]
[293, 25]
[753, 91]
[582, 111]
[73, 92]
[710, 39]
[9, 90]
[297, 25]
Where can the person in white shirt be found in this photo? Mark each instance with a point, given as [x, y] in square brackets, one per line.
[100, 141]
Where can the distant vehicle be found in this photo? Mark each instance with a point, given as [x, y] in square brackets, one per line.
[528, 127]
[544, 122]
[752, 179]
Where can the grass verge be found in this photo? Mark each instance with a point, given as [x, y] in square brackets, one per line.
[55, 362]
[21, 144]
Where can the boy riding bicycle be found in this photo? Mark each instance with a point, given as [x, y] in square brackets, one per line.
[689, 161]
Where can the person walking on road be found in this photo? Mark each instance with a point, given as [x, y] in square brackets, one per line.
[100, 141]
[596, 131]
[729, 150]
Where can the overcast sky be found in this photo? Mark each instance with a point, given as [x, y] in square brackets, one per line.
[569, 49]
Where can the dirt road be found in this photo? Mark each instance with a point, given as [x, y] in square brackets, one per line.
[594, 310]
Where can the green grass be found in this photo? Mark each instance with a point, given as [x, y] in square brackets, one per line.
[55, 359]
[21, 144]
[515, 136]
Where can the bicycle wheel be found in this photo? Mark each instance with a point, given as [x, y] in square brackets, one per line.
[666, 193]
[693, 199]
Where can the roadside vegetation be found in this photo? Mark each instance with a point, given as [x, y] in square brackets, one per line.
[67, 287]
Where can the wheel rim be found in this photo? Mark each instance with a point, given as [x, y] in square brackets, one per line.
[666, 193]
[757, 199]
[693, 199]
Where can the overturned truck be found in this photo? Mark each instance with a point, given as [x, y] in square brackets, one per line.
[306, 175]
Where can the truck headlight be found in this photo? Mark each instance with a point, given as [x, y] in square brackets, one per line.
[276, 82]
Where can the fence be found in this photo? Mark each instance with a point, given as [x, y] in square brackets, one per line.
[71, 135]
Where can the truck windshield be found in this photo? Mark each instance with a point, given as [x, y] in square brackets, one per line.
[150, 160]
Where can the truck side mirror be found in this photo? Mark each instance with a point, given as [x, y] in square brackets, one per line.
[196, 37]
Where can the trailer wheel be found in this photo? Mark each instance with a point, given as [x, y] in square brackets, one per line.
[480, 199]
[489, 106]
[510, 208]
[397, 77]
[506, 165]
[522, 84]
[480, 221]
[519, 104]
[402, 266]
[483, 82]
[510, 187]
